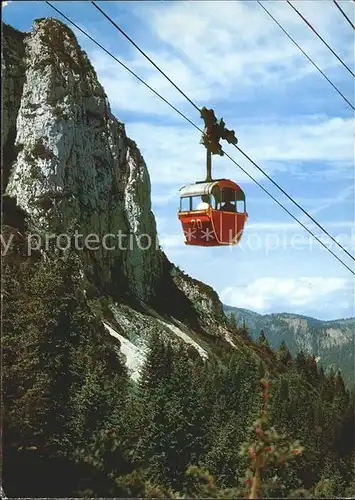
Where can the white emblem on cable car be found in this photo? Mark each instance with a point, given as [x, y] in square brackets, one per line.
[190, 233]
[208, 234]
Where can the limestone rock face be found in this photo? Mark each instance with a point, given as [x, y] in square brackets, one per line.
[75, 178]
[76, 173]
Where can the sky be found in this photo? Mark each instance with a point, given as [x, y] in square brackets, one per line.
[230, 56]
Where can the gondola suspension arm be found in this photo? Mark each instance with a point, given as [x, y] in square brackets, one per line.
[214, 131]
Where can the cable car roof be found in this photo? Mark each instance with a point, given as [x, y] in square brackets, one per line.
[200, 188]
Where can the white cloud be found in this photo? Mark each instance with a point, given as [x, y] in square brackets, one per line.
[174, 156]
[264, 294]
[215, 55]
[305, 139]
[239, 45]
[125, 92]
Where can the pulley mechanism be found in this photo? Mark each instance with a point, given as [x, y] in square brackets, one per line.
[214, 131]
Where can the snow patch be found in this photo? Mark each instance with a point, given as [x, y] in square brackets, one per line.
[177, 331]
[134, 356]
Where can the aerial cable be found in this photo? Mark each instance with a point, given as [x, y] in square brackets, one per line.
[123, 65]
[295, 203]
[178, 89]
[289, 213]
[304, 53]
[145, 55]
[320, 37]
[235, 145]
[200, 130]
[346, 17]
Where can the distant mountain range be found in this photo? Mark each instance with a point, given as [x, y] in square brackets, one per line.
[331, 341]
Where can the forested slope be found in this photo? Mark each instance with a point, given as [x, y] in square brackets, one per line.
[331, 342]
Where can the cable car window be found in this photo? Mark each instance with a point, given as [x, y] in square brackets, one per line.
[227, 203]
[201, 202]
[240, 206]
[214, 197]
[228, 206]
[185, 204]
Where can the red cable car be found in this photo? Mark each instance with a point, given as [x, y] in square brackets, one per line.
[212, 213]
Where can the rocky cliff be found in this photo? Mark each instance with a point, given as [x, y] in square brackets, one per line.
[75, 168]
[71, 170]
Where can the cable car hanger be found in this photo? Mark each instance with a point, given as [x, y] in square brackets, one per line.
[213, 132]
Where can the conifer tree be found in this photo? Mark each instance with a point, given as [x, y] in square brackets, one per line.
[244, 331]
[262, 340]
[301, 362]
[311, 370]
[233, 320]
[284, 354]
[157, 367]
[266, 449]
